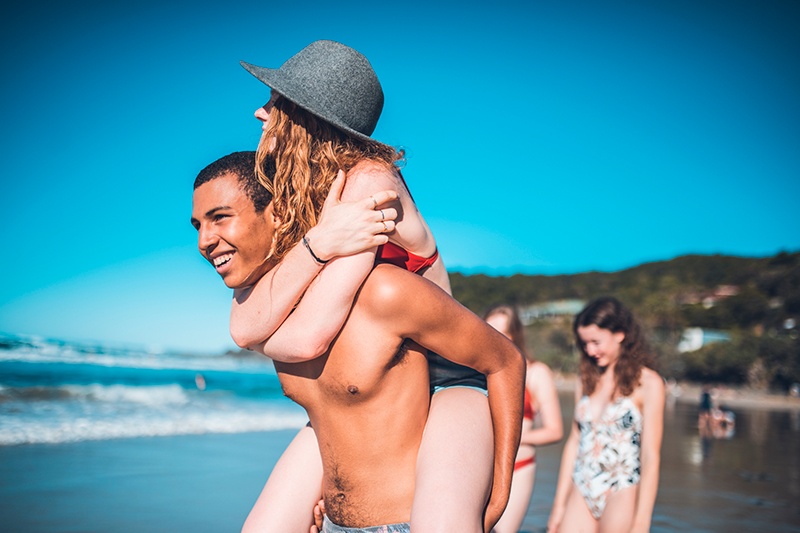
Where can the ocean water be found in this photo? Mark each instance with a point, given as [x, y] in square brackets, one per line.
[56, 392]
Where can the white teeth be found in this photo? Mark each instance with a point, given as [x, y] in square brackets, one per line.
[222, 259]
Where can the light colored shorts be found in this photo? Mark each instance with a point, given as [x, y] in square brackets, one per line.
[330, 527]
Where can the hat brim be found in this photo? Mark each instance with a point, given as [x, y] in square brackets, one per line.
[272, 78]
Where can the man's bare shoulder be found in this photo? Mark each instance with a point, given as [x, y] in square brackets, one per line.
[389, 288]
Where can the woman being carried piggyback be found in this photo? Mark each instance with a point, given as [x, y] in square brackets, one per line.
[609, 472]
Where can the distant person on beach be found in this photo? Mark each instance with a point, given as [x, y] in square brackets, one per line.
[722, 422]
[704, 409]
[540, 405]
[610, 464]
[324, 105]
[368, 395]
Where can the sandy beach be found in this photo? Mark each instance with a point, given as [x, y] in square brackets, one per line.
[742, 398]
[729, 396]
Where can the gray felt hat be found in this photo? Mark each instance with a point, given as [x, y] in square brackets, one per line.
[332, 81]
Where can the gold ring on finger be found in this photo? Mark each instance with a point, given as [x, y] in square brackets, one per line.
[385, 227]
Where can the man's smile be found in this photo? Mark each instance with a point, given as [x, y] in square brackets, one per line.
[221, 260]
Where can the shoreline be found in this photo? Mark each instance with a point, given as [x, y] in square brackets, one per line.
[729, 396]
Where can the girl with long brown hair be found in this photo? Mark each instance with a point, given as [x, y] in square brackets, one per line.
[609, 472]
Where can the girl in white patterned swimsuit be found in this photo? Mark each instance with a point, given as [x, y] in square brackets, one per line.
[608, 451]
[609, 469]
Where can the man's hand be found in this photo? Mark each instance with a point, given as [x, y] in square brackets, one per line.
[347, 228]
[490, 519]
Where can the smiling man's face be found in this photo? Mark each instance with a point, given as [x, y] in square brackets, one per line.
[231, 235]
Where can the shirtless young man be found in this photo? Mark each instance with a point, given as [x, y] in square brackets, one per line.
[367, 397]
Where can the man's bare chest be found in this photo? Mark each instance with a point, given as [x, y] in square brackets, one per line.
[341, 377]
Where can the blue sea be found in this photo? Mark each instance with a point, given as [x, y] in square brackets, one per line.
[54, 392]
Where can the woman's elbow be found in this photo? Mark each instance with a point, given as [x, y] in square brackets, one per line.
[242, 339]
[311, 349]
[304, 349]
[554, 435]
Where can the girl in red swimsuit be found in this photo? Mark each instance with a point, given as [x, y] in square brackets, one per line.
[541, 423]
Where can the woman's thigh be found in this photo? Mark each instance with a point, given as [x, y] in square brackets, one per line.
[618, 514]
[287, 501]
[455, 463]
[577, 517]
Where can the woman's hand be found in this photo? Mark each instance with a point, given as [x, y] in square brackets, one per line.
[552, 523]
[347, 228]
[555, 518]
[319, 512]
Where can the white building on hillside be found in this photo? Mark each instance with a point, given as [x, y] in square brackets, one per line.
[533, 312]
[693, 339]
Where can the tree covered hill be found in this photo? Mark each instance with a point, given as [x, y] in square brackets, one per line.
[756, 300]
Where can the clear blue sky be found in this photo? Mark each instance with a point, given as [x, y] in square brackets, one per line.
[542, 137]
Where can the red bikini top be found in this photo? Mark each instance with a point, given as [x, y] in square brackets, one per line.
[527, 408]
[398, 256]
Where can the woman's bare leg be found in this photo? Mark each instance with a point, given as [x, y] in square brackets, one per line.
[518, 502]
[455, 463]
[619, 511]
[286, 503]
[577, 517]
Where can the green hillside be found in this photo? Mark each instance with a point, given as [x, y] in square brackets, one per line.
[756, 301]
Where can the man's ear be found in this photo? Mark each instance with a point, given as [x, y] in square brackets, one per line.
[269, 212]
[274, 221]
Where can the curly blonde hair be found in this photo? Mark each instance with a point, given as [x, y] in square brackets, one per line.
[308, 153]
[609, 313]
